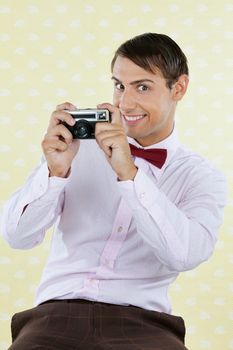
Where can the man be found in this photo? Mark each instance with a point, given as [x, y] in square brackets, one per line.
[124, 226]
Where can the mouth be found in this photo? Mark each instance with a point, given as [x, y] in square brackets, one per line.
[133, 119]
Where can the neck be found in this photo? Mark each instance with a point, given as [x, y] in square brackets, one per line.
[151, 140]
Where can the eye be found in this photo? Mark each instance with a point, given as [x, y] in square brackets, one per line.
[119, 86]
[143, 87]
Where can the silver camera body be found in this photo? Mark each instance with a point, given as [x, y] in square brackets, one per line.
[86, 119]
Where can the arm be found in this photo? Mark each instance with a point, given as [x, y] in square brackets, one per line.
[184, 234]
[32, 209]
[36, 206]
[181, 234]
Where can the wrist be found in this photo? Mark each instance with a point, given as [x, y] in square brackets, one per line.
[59, 173]
[129, 175]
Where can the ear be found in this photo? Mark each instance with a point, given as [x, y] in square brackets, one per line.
[180, 86]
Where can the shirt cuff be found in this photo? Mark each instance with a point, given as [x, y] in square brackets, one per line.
[42, 184]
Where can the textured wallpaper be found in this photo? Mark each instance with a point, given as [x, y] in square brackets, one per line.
[55, 51]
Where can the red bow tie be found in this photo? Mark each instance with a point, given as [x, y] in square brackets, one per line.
[156, 156]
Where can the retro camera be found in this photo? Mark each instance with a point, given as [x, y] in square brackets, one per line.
[84, 128]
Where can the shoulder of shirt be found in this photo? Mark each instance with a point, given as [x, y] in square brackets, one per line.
[186, 157]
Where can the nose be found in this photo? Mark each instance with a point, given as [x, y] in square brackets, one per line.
[127, 101]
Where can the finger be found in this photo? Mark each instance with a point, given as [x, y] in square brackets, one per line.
[61, 132]
[115, 112]
[100, 127]
[109, 142]
[60, 116]
[53, 144]
[105, 145]
[112, 135]
[66, 105]
[110, 139]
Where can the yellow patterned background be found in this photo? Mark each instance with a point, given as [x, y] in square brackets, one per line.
[57, 50]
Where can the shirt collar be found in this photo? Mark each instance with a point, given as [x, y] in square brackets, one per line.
[170, 143]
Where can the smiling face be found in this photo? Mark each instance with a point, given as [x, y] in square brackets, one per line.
[146, 104]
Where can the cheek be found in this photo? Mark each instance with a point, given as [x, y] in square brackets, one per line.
[115, 100]
[156, 105]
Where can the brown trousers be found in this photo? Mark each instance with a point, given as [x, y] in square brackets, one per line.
[87, 325]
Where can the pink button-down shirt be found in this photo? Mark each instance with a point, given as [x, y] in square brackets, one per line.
[119, 242]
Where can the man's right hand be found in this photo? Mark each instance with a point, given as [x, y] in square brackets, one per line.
[58, 145]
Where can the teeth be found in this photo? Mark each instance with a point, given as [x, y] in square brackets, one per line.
[134, 118]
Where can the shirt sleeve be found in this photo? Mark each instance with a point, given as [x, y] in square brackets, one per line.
[182, 235]
[32, 209]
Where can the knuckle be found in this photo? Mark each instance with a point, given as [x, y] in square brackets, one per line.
[54, 113]
[64, 105]
[63, 129]
[44, 144]
[45, 139]
[63, 146]
[60, 127]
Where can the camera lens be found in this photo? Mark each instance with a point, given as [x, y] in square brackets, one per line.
[82, 129]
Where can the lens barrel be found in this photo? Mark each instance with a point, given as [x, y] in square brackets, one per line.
[82, 129]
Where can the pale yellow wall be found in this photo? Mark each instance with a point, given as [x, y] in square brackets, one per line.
[56, 50]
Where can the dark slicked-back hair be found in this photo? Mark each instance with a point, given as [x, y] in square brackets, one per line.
[152, 51]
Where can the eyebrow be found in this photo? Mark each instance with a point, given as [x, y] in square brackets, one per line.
[135, 82]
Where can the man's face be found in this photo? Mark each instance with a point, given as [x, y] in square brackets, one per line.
[146, 104]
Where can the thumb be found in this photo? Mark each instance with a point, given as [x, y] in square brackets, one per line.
[115, 112]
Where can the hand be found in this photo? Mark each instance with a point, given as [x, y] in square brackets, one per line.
[111, 138]
[58, 145]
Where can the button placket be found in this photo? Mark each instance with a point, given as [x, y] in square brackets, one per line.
[91, 287]
[118, 235]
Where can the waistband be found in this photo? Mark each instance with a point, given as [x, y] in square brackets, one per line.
[80, 301]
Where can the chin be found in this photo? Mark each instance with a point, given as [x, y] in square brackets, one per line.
[135, 136]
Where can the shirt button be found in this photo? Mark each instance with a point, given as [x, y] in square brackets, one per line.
[120, 228]
[107, 263]
[142, 195]
[92, 282]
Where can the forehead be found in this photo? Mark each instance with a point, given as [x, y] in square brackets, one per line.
[125, 69]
